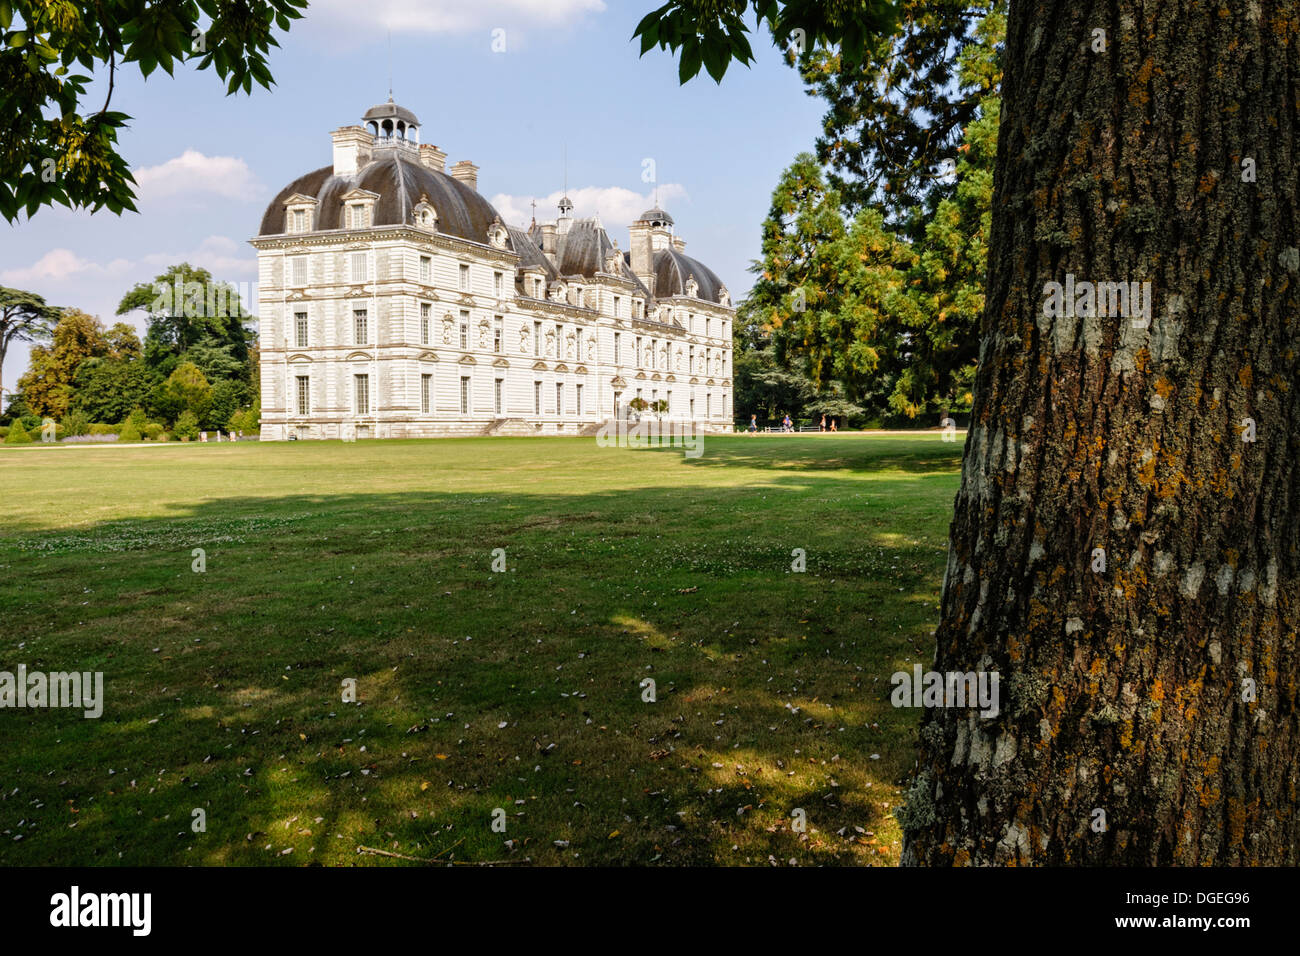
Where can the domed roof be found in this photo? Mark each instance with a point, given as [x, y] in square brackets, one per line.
[673, 269]
[401, 183]
[391, 110]
[656, 215]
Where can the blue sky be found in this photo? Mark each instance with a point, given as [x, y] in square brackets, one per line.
[569, 79]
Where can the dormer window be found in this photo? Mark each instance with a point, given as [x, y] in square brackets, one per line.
[358, 209]
[426, 217]
[298, 213]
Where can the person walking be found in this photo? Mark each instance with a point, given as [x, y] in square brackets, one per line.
[833, 428]
[823, 423]
[786, 424]
[753, 424]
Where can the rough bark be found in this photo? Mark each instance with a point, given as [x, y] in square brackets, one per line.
[1125, 690]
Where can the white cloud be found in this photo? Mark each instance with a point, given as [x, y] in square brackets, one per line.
[59, 265]
[450, 16]
[617, 207]
[192, 174]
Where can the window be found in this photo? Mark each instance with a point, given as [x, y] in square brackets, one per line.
[559, 398]
[708, 405]
[298, 264]
[578, 333]
[300, 329]
[464, 329]
[304, 395]
[464, 277]
[426, 269]
[692, 409]
[426, 318]
[426, 392]
[616, 340]
[537, 398]
[651, 357]
[638, 394]
[359, 270]
[498, 333]
[654, 396]
[708, 326]
[498, 387]
[300, 220]
[360, 327]
[577, 394]
[691, 366]
[617, 302]
[464, 394]
[537, 339]
[356, 216]
[639, 356]
[668, 397]
[361, 394]
[498, 284]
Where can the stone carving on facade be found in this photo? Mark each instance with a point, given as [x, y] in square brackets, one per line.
[692, 287]
[447, 323]
[550, 342]
[483, 332]
[591, 351]
[497, 234]
[559, 292]
[679, 360]
[523, 341]
[724, 297]
[570, 346]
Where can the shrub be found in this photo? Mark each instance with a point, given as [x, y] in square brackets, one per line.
[18, 435]
[137, 418]
[76, 423]
[129, 433]
[187, 426]
[102, 429]
[153, 431]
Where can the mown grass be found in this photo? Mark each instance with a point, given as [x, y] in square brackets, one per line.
[477, 690]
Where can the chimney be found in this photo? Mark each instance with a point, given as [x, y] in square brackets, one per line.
[679, 243]
[548, 239]
[465, 172]
[433, 158]
[351, 149]
[642, 257]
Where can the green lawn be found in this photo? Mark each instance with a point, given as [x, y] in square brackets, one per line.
[477, 690]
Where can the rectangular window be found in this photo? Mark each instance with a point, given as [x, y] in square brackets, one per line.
[498, 284]
[577, 394]
[559, 398]
[300, 329]
[298, 265]
[668, 397]
[464, 277]
[464, 329]
[692, 409]
[617, 303]
[361, 394]
[691, 366]
[498, 333]
[708, 405]
[708, 326]
[639, 356]
[537, 339]
[426, 392]
[360, 327]
[426, 318]
[426, 269]
[304, 395]
[537, 398]
[616, 342]
[638, 393]
[464, 394]
[498, 388]
[578, 333]
[653, 347]
[300, 220]
[359, 270]
[356, 215]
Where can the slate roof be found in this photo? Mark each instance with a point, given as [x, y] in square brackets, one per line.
[672, 268]
[400, 182]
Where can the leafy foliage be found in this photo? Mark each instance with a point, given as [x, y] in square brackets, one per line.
[53, 152]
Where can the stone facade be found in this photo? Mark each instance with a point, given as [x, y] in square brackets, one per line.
[394, 303]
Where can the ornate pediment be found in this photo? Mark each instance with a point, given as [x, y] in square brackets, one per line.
[467, 360]
[618, 382]
[500, 363]
[298, 199]
[561, 367]
[359, 195]
[539, 366]
[427, 356]
[581, 370]
[300, 358]
[360, 357]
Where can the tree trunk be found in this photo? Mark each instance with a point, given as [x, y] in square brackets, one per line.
[1148, 710]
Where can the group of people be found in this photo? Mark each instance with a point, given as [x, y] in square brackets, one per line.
[788, 426]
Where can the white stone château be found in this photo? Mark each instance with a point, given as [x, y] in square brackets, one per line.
[395, 303]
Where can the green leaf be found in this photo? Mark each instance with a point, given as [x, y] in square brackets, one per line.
[691, 58]
[18, 39]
